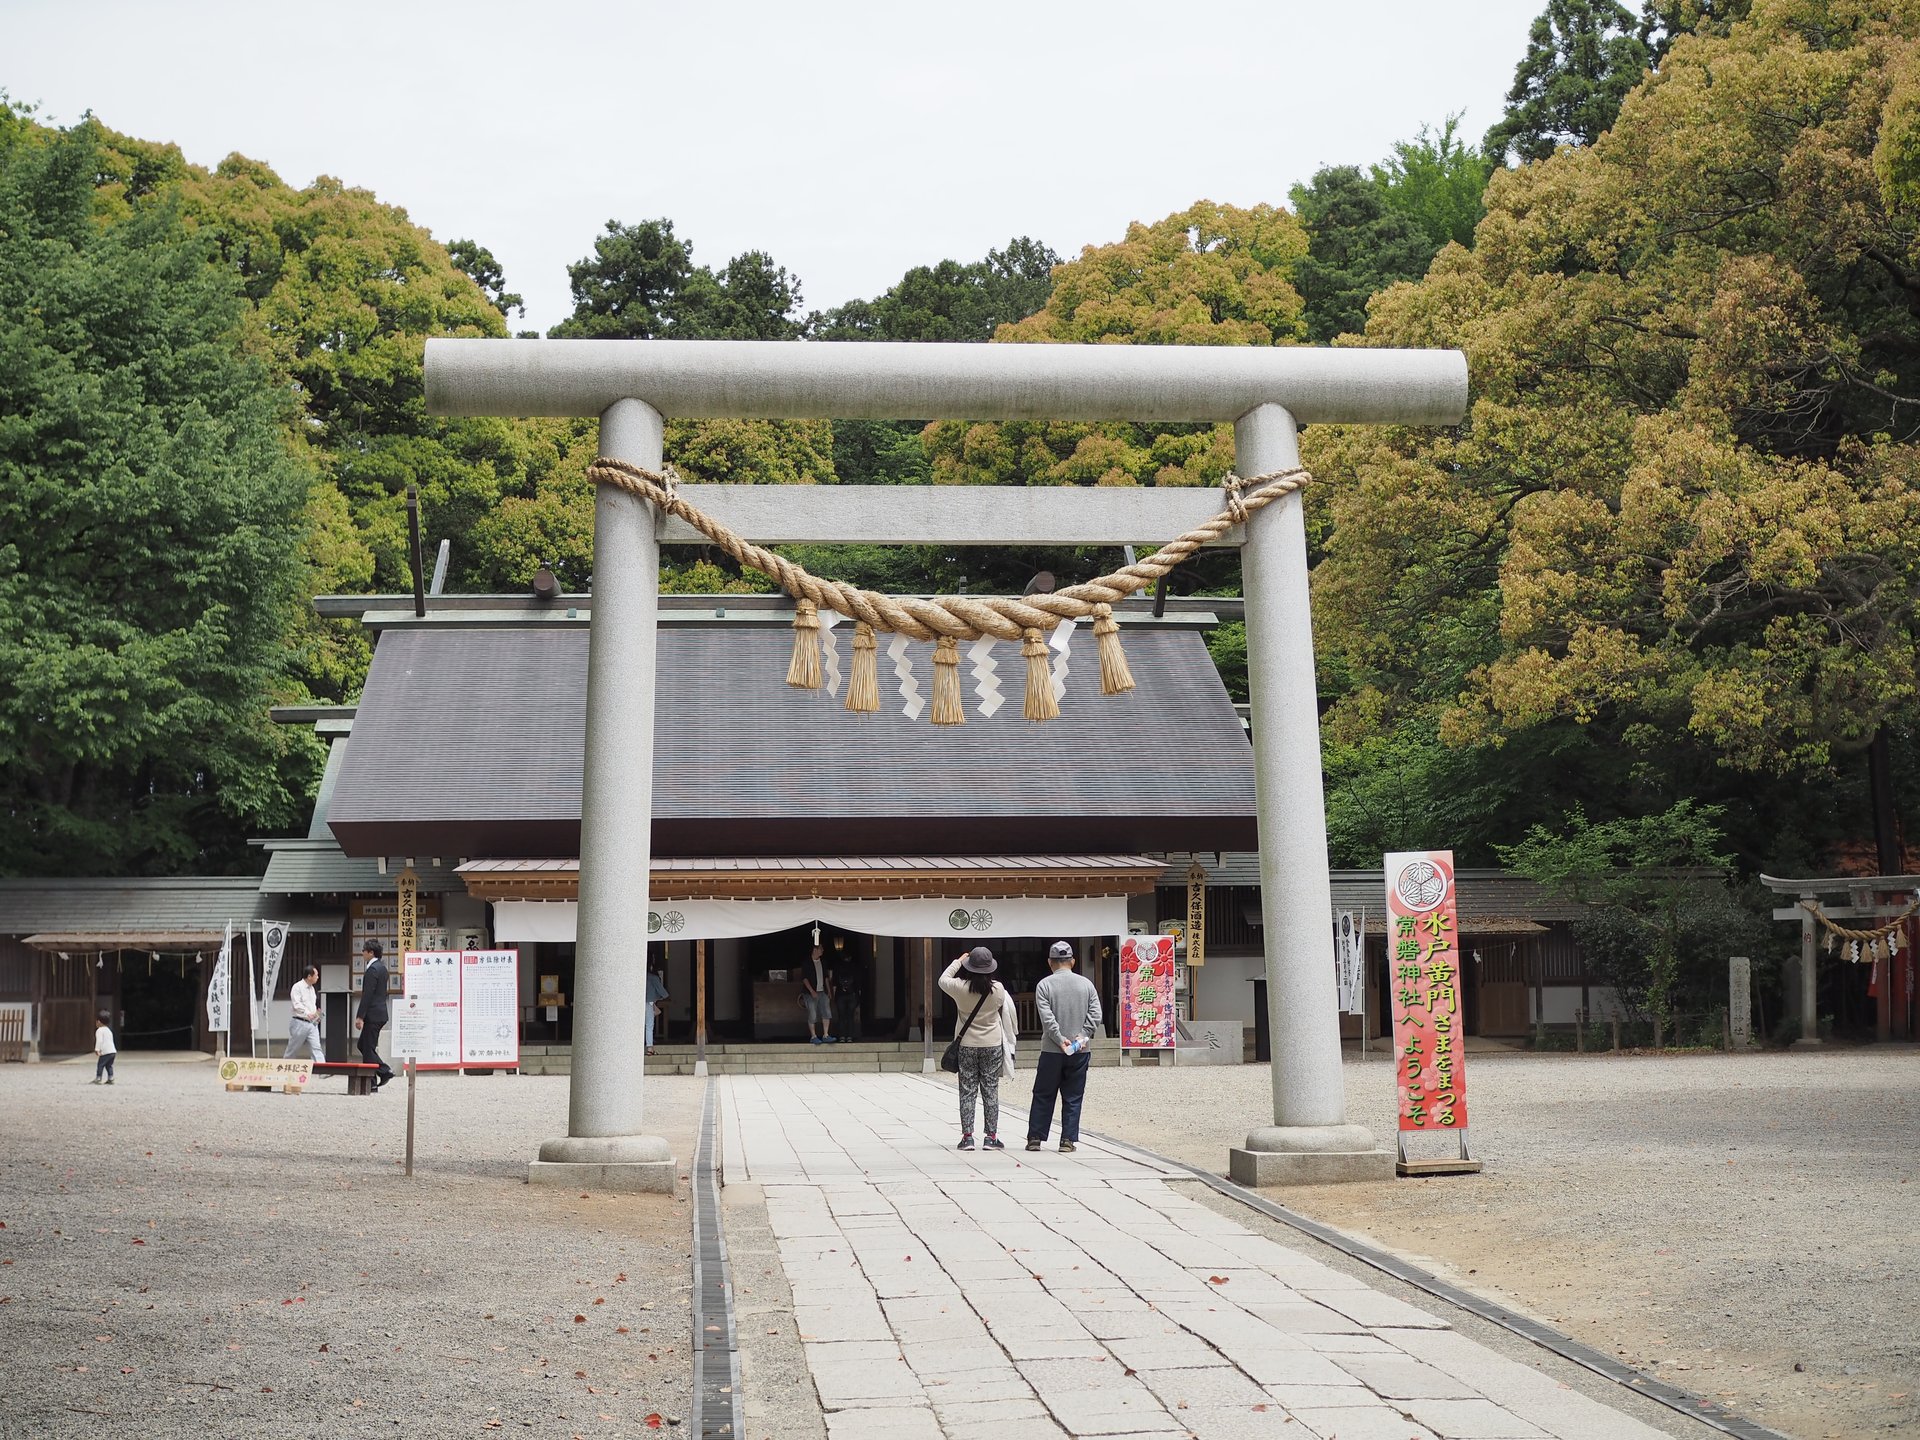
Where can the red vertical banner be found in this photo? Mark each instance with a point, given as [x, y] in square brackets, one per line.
[1146, 992]
[1423, 966]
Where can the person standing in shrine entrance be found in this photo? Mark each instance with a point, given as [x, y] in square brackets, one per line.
[845, 976]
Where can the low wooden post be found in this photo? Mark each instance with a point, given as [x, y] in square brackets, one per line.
[1616, 1034]
[1580, 1031]
[410, 1078]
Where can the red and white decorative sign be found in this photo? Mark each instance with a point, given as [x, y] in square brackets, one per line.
[1146, 993]
[1423, 970]
[474, 996]
[490, 1008]
[433, 978]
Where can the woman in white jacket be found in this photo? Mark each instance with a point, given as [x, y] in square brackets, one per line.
[986, 1044]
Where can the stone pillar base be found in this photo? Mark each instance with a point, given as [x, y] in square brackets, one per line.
[1309, 1155]
[628, 1163]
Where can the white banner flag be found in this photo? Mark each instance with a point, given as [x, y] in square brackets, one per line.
[273, 946]
[1343, 950]
[220, 988]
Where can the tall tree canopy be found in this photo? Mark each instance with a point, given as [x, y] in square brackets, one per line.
[151, 504]
[1674, 548]
[1583, 56]
[950, 301]
[1208, 275]
[1438, 181]
[642, 283]
[1358, 246]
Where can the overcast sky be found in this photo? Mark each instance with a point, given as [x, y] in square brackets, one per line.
[850, 140]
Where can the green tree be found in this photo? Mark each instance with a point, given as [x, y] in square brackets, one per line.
[1438, 181]
[477, 261]
[641, 283]
[1677, 530]
[627, 289]
[1208, 275]
[951, 302]
[1659, 882]
[150, 533]
[1664, 21]
[1358, 246]
[1583, 57]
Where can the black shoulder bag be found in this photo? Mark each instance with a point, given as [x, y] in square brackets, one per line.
[950, 1057]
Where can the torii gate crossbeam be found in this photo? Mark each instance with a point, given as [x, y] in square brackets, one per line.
[633, 385]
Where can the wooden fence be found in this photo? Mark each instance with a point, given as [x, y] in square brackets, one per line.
[13, 1036]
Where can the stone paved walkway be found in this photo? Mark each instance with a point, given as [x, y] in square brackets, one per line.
[1002, 1296]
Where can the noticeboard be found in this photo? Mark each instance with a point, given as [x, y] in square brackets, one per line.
[473, 1000]
[490, 1008]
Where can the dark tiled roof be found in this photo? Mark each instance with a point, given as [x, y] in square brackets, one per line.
[468, 742]
[317, 867]
[201, 904]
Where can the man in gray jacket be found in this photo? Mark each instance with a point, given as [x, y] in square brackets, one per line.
[1069, 1007]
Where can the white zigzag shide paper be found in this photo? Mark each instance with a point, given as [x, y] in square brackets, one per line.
[909, 687]
[986, 675]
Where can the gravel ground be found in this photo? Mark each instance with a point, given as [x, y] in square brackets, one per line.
[1717, 1220]
[178, 1260]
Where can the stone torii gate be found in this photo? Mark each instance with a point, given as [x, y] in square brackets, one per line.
[633, 385]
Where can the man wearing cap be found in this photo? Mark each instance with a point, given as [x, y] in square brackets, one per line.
[1069, 1007]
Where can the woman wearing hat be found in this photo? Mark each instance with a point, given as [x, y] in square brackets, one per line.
[985, 1032]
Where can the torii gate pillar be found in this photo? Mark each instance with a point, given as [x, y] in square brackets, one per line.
[1310, 1141]
[605, 1147]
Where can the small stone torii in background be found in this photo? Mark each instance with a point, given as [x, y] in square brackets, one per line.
[633, 385]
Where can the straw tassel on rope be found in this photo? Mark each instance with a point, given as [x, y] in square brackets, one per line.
[947, 709]
[1040, 702]
[803, 671]
[863, 686]
[1115, 677]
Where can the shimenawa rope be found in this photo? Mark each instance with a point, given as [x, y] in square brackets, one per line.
[949, 619]
[1870, 939]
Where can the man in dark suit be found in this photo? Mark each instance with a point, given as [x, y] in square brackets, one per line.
[371, 1018]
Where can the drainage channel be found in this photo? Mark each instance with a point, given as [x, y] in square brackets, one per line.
[1696, 1407]
[716, 1358]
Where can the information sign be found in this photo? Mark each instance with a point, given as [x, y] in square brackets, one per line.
[433, 977]
[1423, 968]
[490, 1007]
[412, 1034]
[1146, 993]
[241, 1072]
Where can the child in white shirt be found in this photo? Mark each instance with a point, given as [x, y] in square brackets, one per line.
[103, 1048]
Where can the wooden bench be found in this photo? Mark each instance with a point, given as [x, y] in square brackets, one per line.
[358, 1072]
